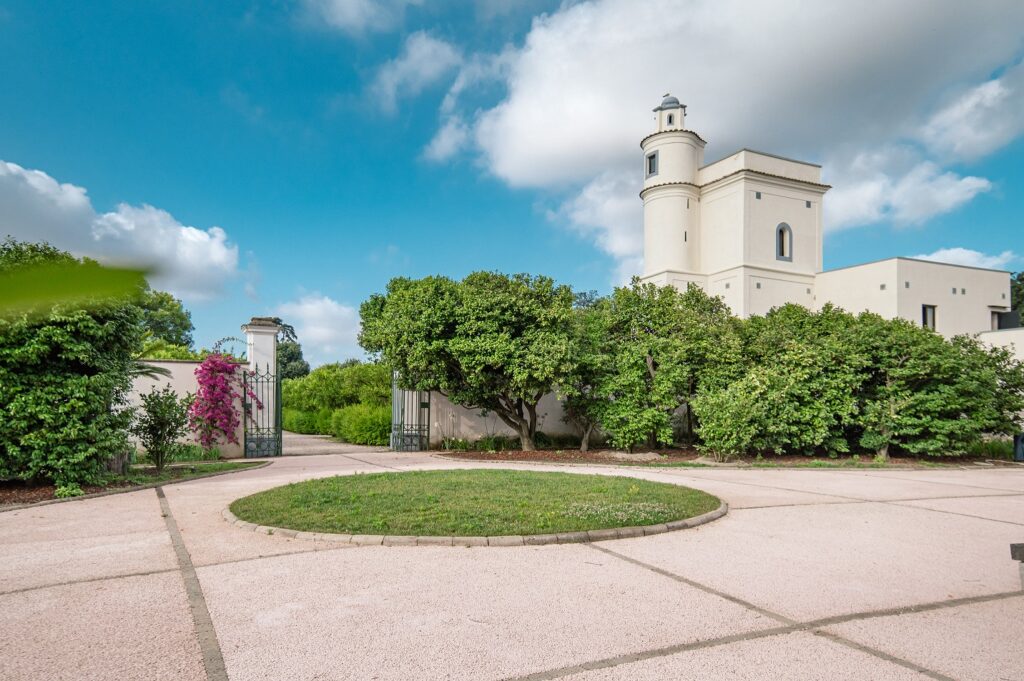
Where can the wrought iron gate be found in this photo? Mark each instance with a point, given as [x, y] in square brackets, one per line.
[262, 413]
[410, 418]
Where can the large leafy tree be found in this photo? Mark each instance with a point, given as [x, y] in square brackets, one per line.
[65, 372]
[664, 345]
[492, 341]
[582, 401]
[290, 363]
[165, 318]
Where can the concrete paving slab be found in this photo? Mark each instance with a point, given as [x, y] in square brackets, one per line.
[801, 656]
[127, 628]
[431, 612]
[1005, 509]
[990, 479]
[979, 642]
[749, 496]
[850, 484]
[135, 511]
[815, 561]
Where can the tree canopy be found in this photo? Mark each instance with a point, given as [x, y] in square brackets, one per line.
[165, 318]
[491, 341]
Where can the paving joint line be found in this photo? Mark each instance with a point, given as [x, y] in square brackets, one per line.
[962, 515]
[789, 626]
[87, 580]
[213, 658]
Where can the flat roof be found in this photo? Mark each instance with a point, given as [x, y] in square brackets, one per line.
[929, 262]
[762, 153]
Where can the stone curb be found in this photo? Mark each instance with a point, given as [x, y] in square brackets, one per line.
[135, 488]
[510, 540]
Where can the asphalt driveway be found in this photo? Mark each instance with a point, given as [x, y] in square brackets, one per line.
[814, 574]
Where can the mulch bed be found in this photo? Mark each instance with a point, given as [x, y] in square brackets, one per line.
[18, 492]
[690, 455]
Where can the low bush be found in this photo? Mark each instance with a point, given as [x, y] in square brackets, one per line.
[298, 421]
[362, 424]
[496, 443]
[997, 448]
[160, 421]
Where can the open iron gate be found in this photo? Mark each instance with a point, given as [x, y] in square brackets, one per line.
[410, 418]
[262, 407]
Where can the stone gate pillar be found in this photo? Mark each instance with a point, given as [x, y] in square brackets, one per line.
[261, 344]
[262, 424]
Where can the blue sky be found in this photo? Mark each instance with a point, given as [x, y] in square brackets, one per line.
[290, 157]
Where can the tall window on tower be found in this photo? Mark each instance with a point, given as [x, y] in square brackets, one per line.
[652, 164]
[784, 243]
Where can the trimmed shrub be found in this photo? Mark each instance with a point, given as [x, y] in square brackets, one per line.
[362, 424]
[159, 422]
[298, 421]
[65, 373]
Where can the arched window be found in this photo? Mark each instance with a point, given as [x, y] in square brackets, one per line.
[784, 242]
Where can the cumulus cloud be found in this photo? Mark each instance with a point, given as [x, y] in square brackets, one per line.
[895, 185]
[788, 77]
[424, 61]
[449, 140]
[359, 16]
[327, 329]
[981, 120]
[966, 256]
[191, 262]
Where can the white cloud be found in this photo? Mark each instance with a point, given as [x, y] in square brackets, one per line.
[190, 262]
[424, 61]
[788, 77]
[449, 140]
[894, 184]
[327, 329]
[965, 256]
[359, 16]
[981, 120]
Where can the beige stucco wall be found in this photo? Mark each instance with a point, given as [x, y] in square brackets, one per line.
[183, 381]
[1007, 338]
[979, 292]
[858, 289]
[910, 284]
[449, 420]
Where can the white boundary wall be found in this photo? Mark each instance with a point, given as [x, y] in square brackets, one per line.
[448, 420]
[183, 381]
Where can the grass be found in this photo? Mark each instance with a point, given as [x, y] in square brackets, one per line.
[173, 472]
[470, 503]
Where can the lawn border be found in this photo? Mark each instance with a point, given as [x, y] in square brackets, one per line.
[580, 537]
[134, 488]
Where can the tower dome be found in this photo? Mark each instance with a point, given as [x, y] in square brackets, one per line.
[670, 102]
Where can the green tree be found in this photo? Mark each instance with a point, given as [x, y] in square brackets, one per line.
[65, 373]
[927, 395]
[582, 401]
[165, 318]
[290, 363]
[664, 346]
[160, 421]
[492, 341]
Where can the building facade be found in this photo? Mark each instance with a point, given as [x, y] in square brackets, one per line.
[749, 228]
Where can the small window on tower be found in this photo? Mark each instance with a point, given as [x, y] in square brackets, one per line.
[808, 204]
[757, 195]
[652, 164]
[671, 119]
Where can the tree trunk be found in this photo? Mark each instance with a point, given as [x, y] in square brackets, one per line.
[585, 440]
[526, 438]
[883, 453]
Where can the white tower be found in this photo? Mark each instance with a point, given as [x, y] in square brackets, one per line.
[672, 156]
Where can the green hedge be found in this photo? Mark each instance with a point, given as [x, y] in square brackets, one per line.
[360, 424]
[65, 373]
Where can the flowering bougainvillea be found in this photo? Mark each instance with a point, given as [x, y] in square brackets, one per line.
[213, 416]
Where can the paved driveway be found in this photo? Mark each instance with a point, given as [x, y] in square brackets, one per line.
[814, 574]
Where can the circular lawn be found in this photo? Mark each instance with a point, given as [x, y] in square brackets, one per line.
[468, 503]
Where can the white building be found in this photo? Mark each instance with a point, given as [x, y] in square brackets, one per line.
[748, 228]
